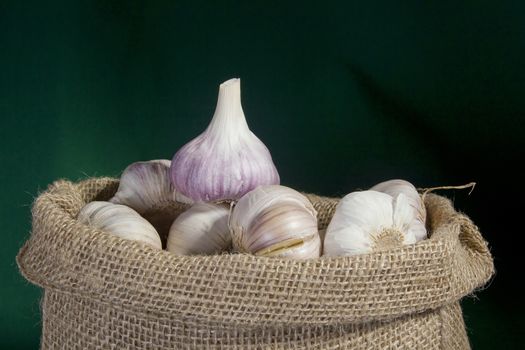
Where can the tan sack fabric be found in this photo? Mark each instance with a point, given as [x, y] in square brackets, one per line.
[103, 292]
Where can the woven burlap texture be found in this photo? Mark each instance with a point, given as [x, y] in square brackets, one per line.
[104, 292]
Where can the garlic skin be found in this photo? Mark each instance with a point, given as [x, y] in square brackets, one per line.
[309, 249]
[202, 229]
[227, 160]
[398, 186]
[120, 220]
[146, 185]
[367, 221]
[275, 221]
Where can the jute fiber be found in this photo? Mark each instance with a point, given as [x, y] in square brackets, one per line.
[103, 292]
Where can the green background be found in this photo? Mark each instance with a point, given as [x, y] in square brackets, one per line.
[343, 94]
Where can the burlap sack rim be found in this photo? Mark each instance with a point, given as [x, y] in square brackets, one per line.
[444, 238]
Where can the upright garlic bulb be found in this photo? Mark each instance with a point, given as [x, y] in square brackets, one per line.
[368, 221]
[120, 220]
[227, 160]
[275, 221]
[396, 187]
[145, 185]
[202, 229]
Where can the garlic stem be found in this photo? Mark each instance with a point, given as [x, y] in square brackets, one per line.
[228, 115]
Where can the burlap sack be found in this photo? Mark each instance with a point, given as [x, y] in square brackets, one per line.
[103, 292]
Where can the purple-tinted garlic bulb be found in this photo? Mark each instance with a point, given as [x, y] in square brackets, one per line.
[146, 185]
[227, 160]
[275, 221]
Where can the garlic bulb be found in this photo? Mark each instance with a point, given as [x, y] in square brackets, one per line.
[120, 220]
[275, 221]
[202, 229]
[394, 188]
[368, 221]
[227, 160]
[145, 185]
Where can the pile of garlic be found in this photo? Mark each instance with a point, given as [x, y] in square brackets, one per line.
[226, 180]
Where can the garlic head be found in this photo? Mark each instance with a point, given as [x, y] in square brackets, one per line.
[275, 221]
[396, 187]
[146, 185]
[227, 160]
[119, 220]
[367, 221]
[202, 229]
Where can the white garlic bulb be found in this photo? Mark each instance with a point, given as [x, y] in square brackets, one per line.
[202, 229]
[145, 185]
[367, 221]
[120, 220]
[275, 221]
[227, 160]
[397, 186]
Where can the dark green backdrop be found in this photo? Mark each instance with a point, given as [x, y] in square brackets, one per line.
[343, 94]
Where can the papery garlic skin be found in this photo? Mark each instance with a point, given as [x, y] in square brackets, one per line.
[309, 249]
[250, 205]
[227, 160]
[275, 221]
[363, 220]
[202, 229]
[397, 186]
[146, 185]
[119, 220]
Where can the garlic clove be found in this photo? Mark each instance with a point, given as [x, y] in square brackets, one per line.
[367, 221]
[275, 221]
[398, 186]
[227, 160]
[146, 185]
[404, 218]
[403, 212]
[418, 230]
[119, 220]
[202, 229]
[351, 240]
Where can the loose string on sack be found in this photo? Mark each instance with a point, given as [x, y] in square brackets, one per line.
[427, 190]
